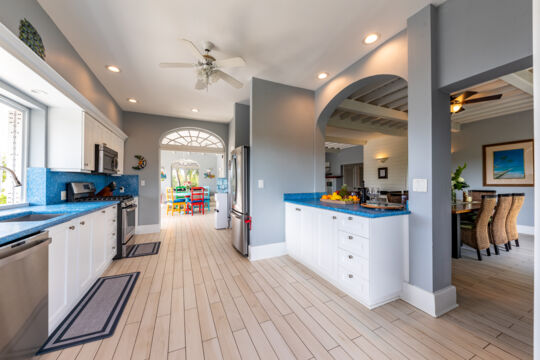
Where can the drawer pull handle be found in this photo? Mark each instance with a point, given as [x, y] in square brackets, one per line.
[334, 217]
[297, 209]
[72, 227]
[350, 237]
[350, 256]
[82, 223]
[350, 217]
[351, 276]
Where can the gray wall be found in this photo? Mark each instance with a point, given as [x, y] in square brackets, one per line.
[239, 127]
[467, 147]
[282, 154]
[144, 133]
[60, 55]
[476, 38]
[353, 155]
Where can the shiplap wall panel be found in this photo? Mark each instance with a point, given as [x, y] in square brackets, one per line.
[395, 148]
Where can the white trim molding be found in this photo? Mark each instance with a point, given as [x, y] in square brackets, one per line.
[525, 229]
[147, 229]
[434, 304]
[267, 251]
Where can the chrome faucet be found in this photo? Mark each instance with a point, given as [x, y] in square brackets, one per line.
[13, 175]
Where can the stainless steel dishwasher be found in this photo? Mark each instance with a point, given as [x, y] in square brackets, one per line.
[24, 290]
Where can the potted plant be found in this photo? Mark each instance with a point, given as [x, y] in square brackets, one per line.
[458, 182]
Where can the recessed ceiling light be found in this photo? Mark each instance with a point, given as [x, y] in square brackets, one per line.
[132, 100]
[39, 91]
[371, 38]
[322, 75]
[195, 110]
[113, 68]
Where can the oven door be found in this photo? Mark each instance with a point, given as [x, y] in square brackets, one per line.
[128, 223]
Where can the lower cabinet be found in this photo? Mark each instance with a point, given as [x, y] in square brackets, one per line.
[78, 254]
[362, 256]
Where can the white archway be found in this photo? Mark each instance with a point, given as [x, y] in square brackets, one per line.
[192, 140]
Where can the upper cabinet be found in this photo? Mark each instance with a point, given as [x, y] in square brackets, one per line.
[72, 137]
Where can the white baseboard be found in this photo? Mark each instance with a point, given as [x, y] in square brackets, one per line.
[434, 304]
[147, 229]
[525, 229]
[267, 251]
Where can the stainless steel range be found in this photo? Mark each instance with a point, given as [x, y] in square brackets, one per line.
[86, 191]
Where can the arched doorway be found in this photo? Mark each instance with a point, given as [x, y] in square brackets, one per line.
[191, 157]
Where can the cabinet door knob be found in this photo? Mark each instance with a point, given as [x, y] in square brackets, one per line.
[114, 220]
[297, 209]
[350, 237]
[350, 256]
[72, 227]
[350, 217]
[82, 222]
[113, 234]
[103, 211]
[334, 217]
[351, 276]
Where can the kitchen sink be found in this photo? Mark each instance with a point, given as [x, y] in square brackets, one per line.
[32, 217]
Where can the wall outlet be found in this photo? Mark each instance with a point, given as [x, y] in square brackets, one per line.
[261, 184]
[63, 195]
[143, 182]
[121, 189]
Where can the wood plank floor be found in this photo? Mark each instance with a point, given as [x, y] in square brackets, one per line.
[199, 299]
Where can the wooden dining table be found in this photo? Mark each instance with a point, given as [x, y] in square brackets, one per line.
[459, 208]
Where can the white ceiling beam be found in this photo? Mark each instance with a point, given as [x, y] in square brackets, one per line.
[358, 107]
[331, 150]
[355, 125]
[345, 140]
[523, 80]
[387, 90]
[370, 88]
[455, 127]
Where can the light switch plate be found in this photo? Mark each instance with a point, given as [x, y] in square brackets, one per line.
[63, 195]
[143, 182]
[420, 185]
[261, 184]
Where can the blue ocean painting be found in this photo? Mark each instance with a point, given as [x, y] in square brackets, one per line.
[509, 164]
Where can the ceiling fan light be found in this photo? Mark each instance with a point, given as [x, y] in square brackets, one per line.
[454, 108]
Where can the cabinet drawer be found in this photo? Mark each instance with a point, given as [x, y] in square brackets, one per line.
[354, 243]
[354, 224]
[353, 282]
[354, 262]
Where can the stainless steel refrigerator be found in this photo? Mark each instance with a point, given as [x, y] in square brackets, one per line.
[239, 181]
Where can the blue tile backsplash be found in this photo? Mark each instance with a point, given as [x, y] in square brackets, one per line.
[44, 186]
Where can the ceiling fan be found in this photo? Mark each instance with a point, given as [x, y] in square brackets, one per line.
[457, 101]
[208, 68]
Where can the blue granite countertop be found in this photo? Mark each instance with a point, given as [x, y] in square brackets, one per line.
[312, 199]
[10, 231]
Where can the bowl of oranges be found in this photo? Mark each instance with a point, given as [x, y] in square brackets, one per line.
[336, 198]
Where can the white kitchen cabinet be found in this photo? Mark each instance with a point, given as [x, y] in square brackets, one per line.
[362, 256]
[79, 253]
[71, 139]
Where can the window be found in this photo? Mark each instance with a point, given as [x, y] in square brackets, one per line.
[185, 173]
[192, 139]
[12, 150]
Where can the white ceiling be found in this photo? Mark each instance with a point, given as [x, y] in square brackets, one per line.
[282, 40]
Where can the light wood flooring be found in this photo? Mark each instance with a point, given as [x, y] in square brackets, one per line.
[198, 298]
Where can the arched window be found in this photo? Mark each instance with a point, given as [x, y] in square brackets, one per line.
[192, 139]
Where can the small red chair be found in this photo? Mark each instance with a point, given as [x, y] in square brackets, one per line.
[196, 199]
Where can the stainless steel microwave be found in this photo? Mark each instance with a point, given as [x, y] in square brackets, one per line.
[106, 160]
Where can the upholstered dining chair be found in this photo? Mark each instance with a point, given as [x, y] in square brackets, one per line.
[511, 219]
[476, 234]
[498, 223]
[477, 194]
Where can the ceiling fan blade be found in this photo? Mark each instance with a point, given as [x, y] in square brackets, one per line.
[176, 65]
[194, 50]
[482, 99]
[200, 85]
[461, 97]
[229, 79]
[229, 63]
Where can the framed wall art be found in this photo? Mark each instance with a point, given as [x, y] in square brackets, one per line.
[382, 173]
[509, 163]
